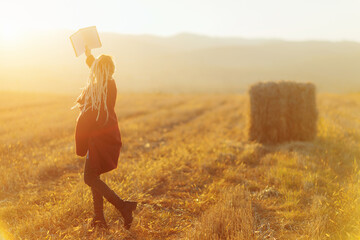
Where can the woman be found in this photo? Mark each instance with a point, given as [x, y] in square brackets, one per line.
[97, 135]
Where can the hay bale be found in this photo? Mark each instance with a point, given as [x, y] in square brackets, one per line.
[282, 111]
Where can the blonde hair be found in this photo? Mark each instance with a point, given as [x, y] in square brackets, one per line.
[94, 95]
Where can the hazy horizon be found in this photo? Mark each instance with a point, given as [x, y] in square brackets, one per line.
[36, 33]
[180, 63]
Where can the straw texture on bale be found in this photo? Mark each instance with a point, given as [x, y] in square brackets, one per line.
[282, 111]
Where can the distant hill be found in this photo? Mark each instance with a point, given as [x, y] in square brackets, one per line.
[181, 63]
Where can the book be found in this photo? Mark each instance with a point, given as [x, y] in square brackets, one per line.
[88, 36]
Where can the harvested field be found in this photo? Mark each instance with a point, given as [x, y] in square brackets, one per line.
[188, 161]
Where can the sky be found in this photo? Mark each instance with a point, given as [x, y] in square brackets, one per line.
[332, 20]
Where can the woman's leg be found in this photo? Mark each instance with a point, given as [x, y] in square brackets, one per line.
[93, 180]
[98, 201]
[98, 206]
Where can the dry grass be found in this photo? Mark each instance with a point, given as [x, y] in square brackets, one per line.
[229, 218]
[187, 160]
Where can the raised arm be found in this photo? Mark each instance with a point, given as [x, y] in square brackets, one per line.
[89, 57]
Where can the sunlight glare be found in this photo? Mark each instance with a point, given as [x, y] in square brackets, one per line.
[12, 35]
[3, 233]
[2, 236]
[9, 33]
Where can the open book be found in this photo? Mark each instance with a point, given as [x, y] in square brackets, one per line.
[85, 37]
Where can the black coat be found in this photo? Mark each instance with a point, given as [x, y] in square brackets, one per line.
[103, 142]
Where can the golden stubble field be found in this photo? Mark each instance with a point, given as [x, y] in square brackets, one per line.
[187, 160]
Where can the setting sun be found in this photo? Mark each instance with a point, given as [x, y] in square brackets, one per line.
[9, 33]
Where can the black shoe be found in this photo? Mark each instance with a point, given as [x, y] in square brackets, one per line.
[126, 211]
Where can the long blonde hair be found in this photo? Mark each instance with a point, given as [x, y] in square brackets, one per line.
[94, 95]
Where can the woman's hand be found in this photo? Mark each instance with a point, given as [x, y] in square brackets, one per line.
[87, 51]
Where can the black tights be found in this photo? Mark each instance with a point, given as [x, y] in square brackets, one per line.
[99, 190]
